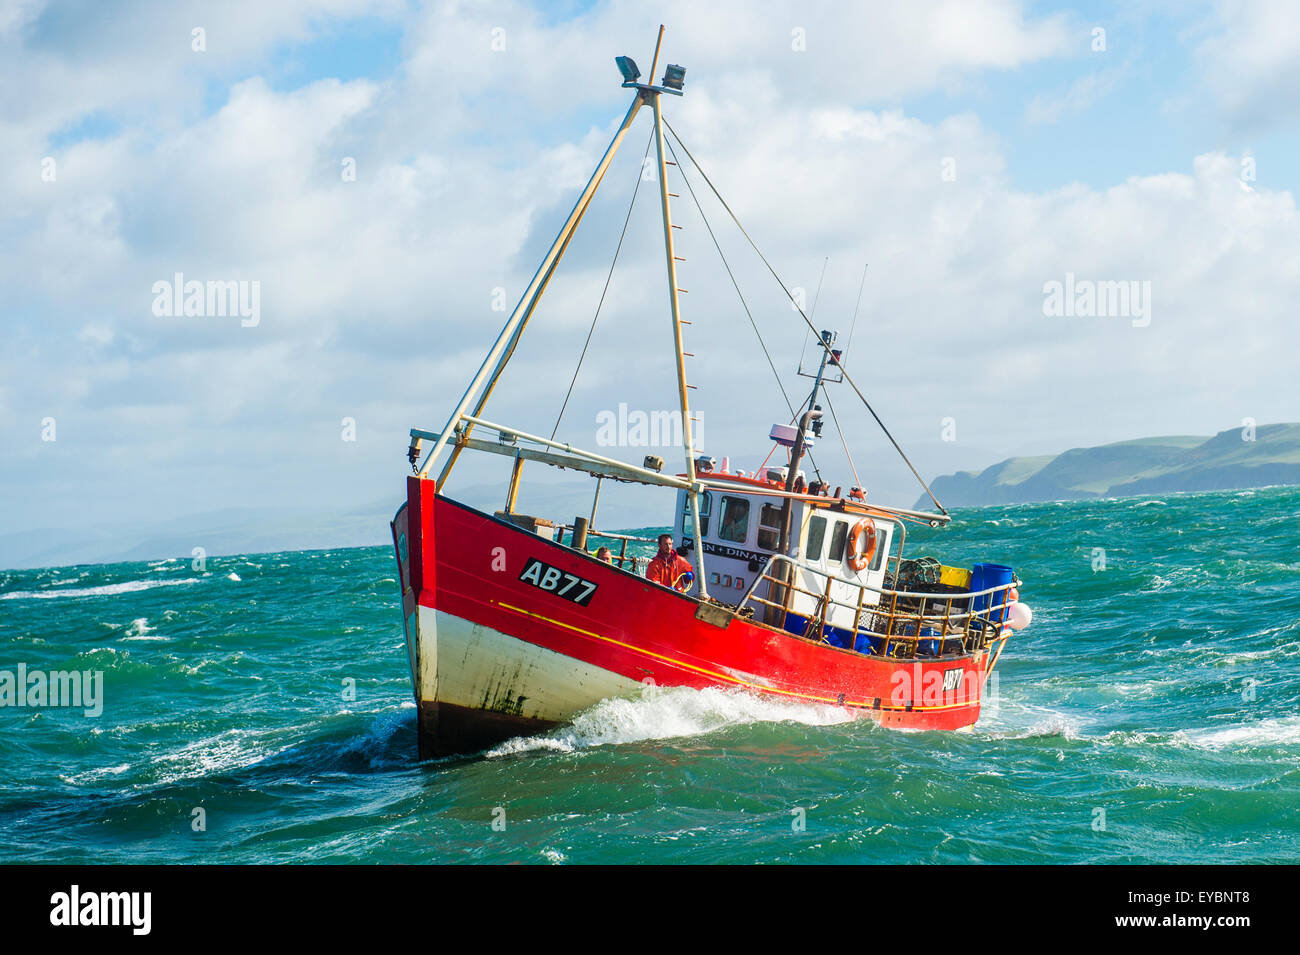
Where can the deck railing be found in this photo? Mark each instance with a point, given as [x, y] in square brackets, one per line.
[621, 559]
[899, 623]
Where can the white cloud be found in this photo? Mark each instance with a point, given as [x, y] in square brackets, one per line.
[1082, 94]
[1251, 58]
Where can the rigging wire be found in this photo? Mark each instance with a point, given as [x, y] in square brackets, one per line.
[813, 328]
[749, 315]
[794, 415]
[608, 279]
[857, 481]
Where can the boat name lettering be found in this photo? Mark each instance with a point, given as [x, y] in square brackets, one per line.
[559, 582]
[723, 550]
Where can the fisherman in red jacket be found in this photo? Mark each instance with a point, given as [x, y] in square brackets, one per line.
[670, 568]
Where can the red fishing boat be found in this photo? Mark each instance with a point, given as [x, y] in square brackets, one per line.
[791, 590]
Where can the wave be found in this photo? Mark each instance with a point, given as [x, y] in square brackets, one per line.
[107, 590]
[375, 743]
[1001, 719]
[230, 750]
[140, 630]
[1145, 689]
[1283, 731]
[95, 775]
[69, 582]
[668, 712]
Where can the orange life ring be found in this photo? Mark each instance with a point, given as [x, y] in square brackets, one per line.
[859, 560]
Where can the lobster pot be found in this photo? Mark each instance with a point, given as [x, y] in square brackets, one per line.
[984, 576]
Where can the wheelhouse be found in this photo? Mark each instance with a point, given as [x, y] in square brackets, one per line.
[740, 522]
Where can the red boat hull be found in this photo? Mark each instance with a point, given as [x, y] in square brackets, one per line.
[496, 653]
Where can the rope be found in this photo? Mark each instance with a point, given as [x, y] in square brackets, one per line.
[603, 291]
[830, 353]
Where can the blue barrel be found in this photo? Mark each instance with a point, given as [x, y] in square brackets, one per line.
[984, 576]
[925, 648]
[833, 636]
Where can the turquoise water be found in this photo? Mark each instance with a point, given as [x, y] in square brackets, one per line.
[1162, 691]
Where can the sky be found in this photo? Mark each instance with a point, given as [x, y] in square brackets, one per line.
[387, 174]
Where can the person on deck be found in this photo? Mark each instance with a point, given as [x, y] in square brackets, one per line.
[605, 555]
[669, 568]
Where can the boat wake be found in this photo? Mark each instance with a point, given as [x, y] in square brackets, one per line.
[665, 713]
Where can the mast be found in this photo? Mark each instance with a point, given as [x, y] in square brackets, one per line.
[697, 551]
[829, 338]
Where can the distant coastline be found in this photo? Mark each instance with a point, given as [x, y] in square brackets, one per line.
[1158, 465]
[1237, 458]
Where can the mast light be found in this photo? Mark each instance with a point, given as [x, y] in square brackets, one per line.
[674, 77]
[627, 66]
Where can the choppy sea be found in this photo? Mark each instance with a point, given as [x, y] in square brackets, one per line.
[258, 709]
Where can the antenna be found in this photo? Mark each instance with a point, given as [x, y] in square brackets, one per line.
[854, 323]
[828, 339]
[816, 295]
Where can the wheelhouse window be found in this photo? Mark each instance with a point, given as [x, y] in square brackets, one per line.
[734, 525]
[838, 537]
[706, 504]
[816, 538]
[769, 526]
[882, 547]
